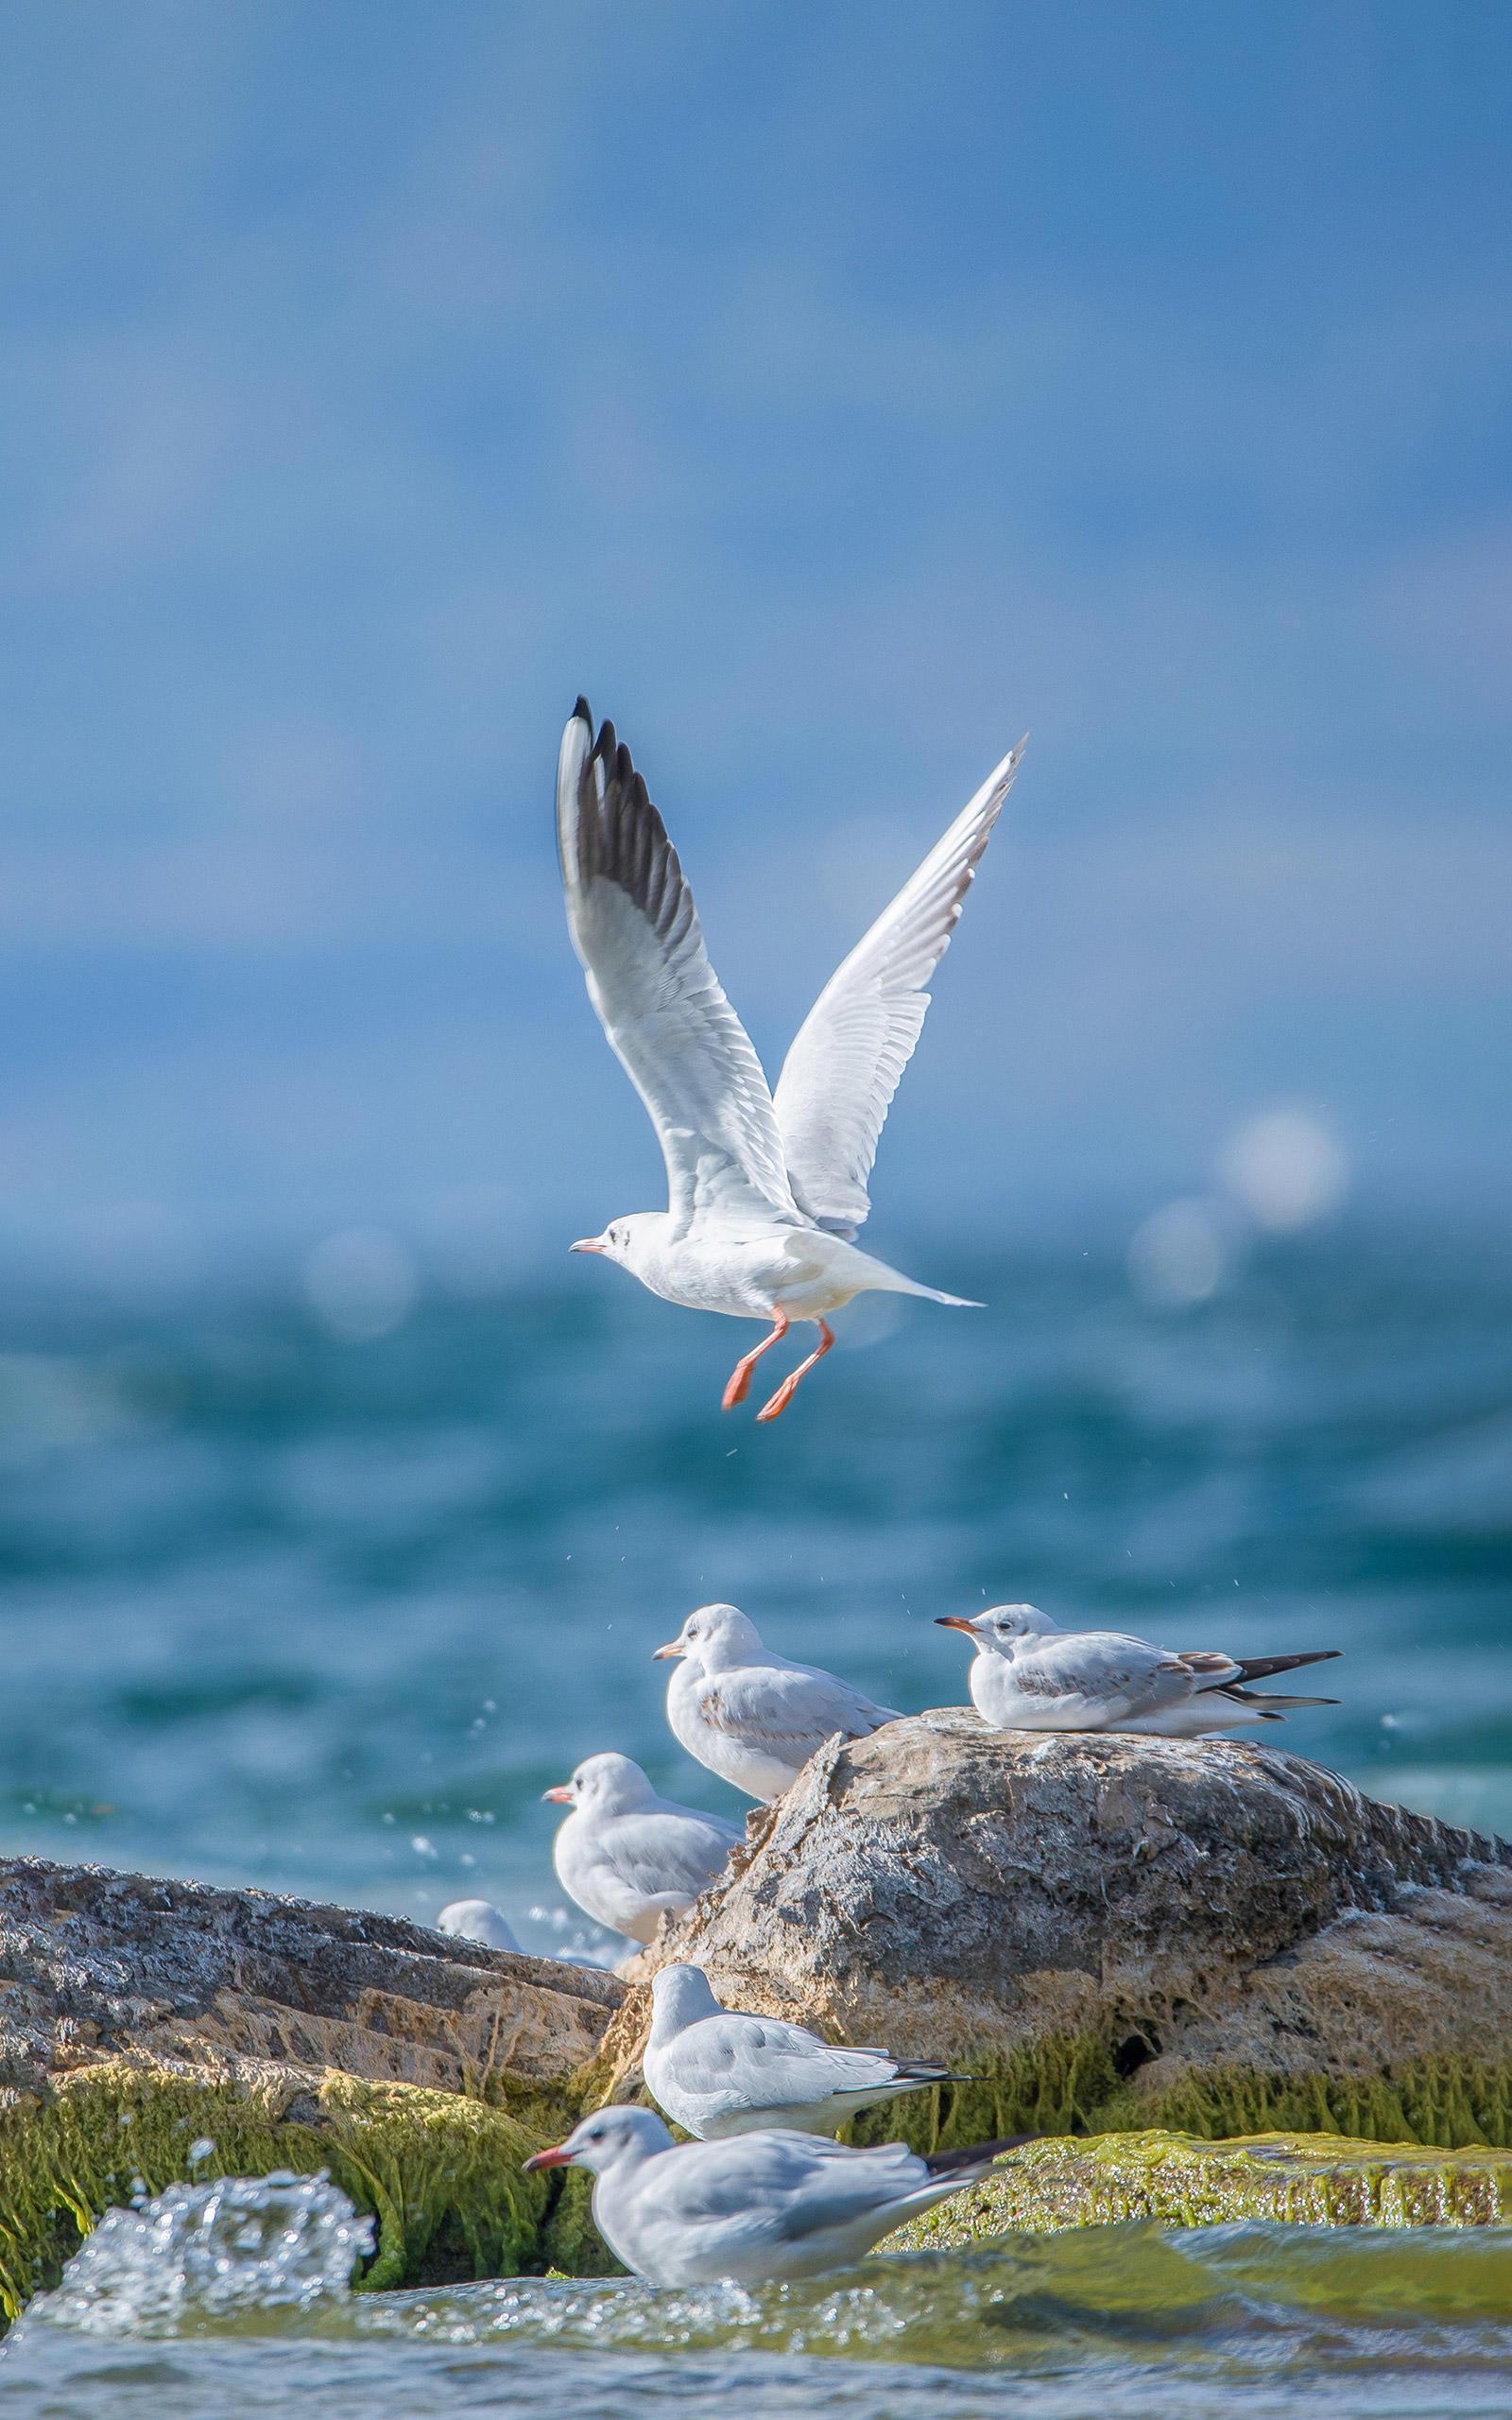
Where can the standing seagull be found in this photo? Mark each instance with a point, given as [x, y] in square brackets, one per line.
[715, 2072]
[629, 1857]
[764, 1191]
[1031, 1675]
[760, 2206]
[750, 1715]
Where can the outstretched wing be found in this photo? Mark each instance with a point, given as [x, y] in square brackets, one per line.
[634, 926]
[840, 1074]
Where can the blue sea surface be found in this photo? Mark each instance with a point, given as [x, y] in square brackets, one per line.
[326, 1616]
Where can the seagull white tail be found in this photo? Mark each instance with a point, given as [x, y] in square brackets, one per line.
[892, 1281]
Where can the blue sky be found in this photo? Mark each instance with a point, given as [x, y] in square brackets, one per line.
[831, 393]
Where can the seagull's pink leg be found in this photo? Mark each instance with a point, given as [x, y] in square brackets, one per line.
[785, 1391]
[735, 1391]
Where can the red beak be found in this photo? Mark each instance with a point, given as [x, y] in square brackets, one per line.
[561, 1795]
[954, 1621]
[586, 1243]
[557, 2156]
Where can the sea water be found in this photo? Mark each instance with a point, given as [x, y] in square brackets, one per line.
[286, 1608]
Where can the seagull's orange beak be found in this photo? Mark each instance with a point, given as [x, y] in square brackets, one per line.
[557, 2155]
[586, 1243]
[672, 1646]
[561, 1795]
[954, 1621]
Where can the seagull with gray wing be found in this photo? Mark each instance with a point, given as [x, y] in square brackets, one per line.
[1031, 1675]
[766, 1191]
[715, 2071]
[745, 1711]
[756, 2208]
[629, 1856]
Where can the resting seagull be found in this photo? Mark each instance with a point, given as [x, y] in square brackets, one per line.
[715, 2072]
[765, 1191]
[750, 1715]
[1031, 1675]
[629, 1857]
[477, 1920]
[760, 2206]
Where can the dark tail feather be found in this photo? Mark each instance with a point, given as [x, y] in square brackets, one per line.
[1260, 1668]
[976, 2155]
[926, 2071]
[1276, 1699]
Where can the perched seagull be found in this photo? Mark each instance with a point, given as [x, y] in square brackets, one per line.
[717, 2073]
[627, 1856]
[477, 1920]
[750, 1715]
[760, 2206]
[766, 1191]
[1032, 1675]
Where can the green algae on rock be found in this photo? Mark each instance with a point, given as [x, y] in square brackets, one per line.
[1178, 2181]
[441, 2173]
[139, 2019]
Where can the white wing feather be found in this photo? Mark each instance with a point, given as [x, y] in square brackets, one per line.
[840, 1074]
[635, 929]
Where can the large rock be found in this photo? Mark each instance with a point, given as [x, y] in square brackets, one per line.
[152, 2031]
[1117, 1931]
[93, 1964]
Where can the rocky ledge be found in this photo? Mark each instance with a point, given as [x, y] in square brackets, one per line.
[152, 2031]
[1109, 1936]
[1117, 1932]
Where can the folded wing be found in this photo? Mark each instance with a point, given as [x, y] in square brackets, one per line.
[633, 925]
[840, 1074]
[787, 1710]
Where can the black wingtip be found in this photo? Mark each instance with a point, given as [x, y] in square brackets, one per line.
[582, 712]
[976, 2155]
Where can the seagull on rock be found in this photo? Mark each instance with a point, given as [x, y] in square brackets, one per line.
[715, 2072]
[477, 1920]
[629, 1857]
[1031, 1675]
[750, 1715]
[756, 2208]
[765, 1191]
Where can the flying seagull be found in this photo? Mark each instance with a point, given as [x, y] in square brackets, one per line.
[766, 1190]
[745, 1711]
[755, 2206]
[716, 2072]
[1031, 1675]
[629, 1857]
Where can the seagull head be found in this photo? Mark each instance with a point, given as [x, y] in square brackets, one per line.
[680, 1996]
[1002, 1628]
[605, 1785]
[624, 1239]
[607, 2139]
[720, 1638]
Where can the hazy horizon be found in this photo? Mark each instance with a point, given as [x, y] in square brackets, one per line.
[830, 398]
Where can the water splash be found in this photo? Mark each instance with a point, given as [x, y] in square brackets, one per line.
[200, 2254]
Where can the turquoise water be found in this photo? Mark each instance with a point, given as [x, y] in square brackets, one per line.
[328, 1617]
[1259, 2323]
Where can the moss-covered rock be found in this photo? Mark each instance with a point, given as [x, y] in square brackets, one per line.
[441, 2173]
[1318, 2180]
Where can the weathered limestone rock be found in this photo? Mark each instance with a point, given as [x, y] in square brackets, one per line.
[1124, 1933]
[139, 2018]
